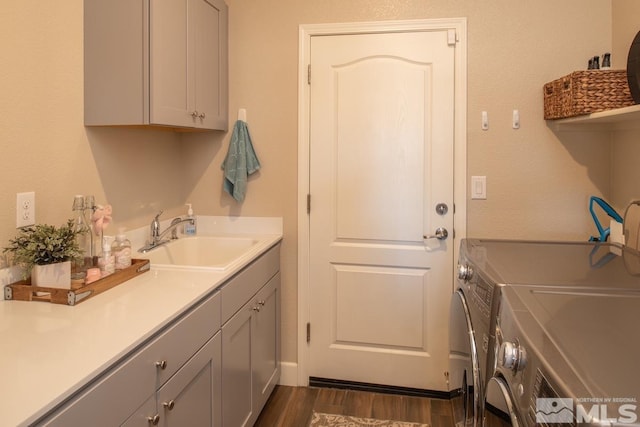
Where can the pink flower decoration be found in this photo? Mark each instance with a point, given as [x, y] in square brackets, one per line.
[101, 218]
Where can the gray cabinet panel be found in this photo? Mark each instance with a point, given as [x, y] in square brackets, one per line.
[244, 286]
[237, 379]
[251, 356]
[266, 348]
[141, 417]
[192, 396]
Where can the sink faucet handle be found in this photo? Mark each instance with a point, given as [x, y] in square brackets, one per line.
[174, 228]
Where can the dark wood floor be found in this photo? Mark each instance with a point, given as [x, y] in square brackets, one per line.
[293, 406]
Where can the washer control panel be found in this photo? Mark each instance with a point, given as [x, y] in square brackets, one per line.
[465, 272]
[480, 290]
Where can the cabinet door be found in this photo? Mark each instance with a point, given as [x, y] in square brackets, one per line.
[237, 377]
[116, 66]
[144, 416]
[169, 63]
[209, 25]
[188, 62]
[192, 396]
[266, 341]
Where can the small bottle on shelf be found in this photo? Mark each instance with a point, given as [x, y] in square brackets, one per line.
[606, 61]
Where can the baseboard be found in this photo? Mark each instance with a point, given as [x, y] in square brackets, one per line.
[289, 374]
[289, 377]
[377, 388]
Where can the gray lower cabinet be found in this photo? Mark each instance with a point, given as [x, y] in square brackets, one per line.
[251, 356]
[266, 342]
[162, 382]
[214, 366]
[190, 397]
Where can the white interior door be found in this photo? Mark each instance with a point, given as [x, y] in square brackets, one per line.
[381, 161]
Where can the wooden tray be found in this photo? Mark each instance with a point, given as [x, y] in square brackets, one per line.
[24, 291]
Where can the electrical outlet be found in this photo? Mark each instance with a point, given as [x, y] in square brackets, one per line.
[25, 209]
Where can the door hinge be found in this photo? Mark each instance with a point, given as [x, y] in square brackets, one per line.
[309, 74]
[308, 331]
[308, 203]
[452, 37]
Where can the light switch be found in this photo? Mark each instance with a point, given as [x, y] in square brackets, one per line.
[479, 187]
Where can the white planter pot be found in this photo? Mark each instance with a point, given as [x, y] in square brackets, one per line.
[52, 275]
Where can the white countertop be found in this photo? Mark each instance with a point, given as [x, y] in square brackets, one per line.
[49, 351]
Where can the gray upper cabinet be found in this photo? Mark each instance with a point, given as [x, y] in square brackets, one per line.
[156, 62]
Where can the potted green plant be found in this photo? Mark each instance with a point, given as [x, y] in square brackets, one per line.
[46, 251]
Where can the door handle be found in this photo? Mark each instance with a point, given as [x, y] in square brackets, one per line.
[441, 234]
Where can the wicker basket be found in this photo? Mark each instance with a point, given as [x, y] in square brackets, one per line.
[585, 92]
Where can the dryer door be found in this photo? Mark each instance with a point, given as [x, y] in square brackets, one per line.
[464, 374]
[499, 410]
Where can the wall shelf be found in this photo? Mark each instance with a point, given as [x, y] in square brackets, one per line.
[619, 119]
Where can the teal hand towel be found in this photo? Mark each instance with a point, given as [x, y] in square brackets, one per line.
[241, 161]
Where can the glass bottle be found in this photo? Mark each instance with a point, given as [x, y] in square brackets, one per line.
[121, 250]
[95, 244]
[83, 239]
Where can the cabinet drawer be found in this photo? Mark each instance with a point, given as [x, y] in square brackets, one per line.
[184, 338]
[121, 390]
[237, 291]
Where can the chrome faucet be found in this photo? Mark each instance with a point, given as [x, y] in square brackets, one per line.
[156, 238]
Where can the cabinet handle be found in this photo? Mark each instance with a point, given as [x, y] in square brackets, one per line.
[162, 364]
[154, 420]
[261, 303]
[256, 308]
[202, 116]
[170, 404]
[194, 114]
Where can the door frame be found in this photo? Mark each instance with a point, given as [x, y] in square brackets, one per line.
[306, 31]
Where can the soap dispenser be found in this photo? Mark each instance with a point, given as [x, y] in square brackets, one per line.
[190, 228]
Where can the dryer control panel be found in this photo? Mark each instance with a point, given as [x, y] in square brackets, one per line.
[543, 390]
